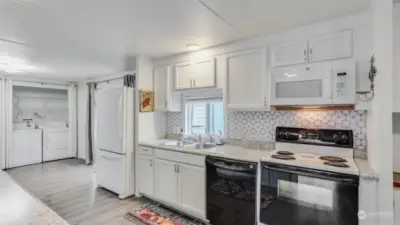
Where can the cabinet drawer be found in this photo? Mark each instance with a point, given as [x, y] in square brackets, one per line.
[144, 150]
[187, 158]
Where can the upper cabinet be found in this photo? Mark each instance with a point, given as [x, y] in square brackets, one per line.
[184, 75]
[204, 73]
[165, 98]
[321, 48]
[195, 74]
[331, 46]
[289, 53]
[247, 83]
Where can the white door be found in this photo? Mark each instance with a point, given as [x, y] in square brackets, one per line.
[331, 46]
[205, 73]
[289, 53]
[247, 80]
[192, 192]
[110, 171]
[146, 175]
[160, 88]
[109, 119]
[308, 84]
[184, 75]
[166, 181]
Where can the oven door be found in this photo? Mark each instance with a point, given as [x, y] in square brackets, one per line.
[300, 196]
[309, 84]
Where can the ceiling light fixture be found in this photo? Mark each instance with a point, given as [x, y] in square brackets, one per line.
[193, 47]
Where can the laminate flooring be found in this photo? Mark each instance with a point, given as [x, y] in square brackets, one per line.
[68, 188]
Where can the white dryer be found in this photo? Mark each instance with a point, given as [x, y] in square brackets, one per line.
[55, 140]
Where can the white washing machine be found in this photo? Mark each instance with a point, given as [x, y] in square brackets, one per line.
[26, 145]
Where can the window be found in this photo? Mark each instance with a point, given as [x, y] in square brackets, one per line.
[204, 116]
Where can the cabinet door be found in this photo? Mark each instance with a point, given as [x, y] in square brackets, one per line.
[192, 193]
[184, 75]
[205, 73]
[289, 53]
[247, 80]
[166, 181]
[331, 46]
[368, 200]
[160, 88]
[146, 175]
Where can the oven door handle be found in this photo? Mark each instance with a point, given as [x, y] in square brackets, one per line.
[302, 173]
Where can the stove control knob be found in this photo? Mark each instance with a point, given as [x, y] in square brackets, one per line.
[344, 138]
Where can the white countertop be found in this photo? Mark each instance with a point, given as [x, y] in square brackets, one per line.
[366, 171]
[226, 151]
[239, 153]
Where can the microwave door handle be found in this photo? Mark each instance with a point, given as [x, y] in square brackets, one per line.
[302, 173]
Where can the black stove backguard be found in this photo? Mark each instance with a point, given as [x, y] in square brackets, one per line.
[323, 137]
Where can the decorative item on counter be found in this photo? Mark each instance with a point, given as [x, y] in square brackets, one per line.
[367, 96]
[146, 101]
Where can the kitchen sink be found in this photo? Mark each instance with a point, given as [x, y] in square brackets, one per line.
[179, 143]
[199, 146]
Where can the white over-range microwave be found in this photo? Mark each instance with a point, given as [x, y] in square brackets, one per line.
[322, 83]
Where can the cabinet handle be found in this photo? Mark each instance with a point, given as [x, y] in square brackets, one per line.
[305, 55]
[311, 54]
[265, 101]
[177, 168]
[151, 162]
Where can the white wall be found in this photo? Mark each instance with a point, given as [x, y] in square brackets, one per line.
[380, 123]
[396, 89]
[359, 23]
[151, 125]
[35, 103]
[82, 119]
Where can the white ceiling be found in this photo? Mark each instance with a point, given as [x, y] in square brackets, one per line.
[76, 39]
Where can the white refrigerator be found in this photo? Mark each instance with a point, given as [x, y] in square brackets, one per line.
[115, 170]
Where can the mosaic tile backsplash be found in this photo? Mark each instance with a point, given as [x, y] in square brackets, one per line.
[260, 126]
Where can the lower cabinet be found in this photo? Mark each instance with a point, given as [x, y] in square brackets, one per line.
[191, 188]
[166, 181]
[146, 175]
[173, 178]
[182, 185]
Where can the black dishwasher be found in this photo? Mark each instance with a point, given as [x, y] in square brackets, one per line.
[231, 191]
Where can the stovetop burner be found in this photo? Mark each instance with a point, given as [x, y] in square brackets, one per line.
[284, 153]
[337, 164]
[283, 157]
[333, 159]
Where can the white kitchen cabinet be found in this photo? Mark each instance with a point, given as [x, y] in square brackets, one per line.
[146, 175]
[166, 181]
[368, 201]
[200, 73]
[321, 48]
[289, 53]
[330, 46]
[184, 75]
[247, 81]
[191, 184]
[165, 98]
[204, 75]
